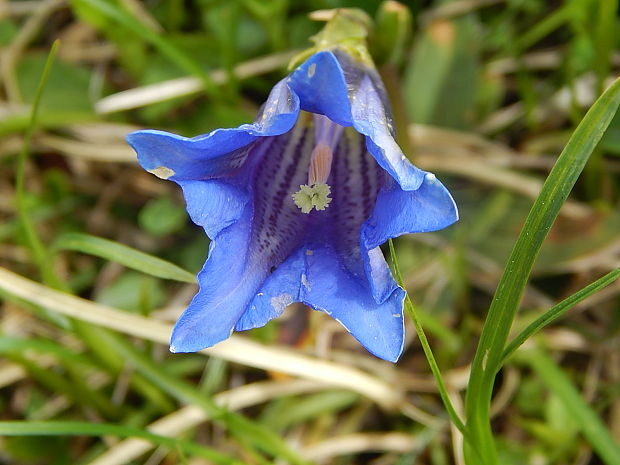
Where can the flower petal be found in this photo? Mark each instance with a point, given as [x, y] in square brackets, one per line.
[371, 118]
[349, 93]
[215, 154]
[398, 211]
[321, 87]
[214, 204]
[246, 246]
[347, 298]
[281, 288]
[215, 310]
[318, 278]
[357, 178]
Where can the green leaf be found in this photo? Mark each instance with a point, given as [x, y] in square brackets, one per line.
[34, 242]
[124, 255]
[165, 47]
[133, 292]
[585, 417]
[161, 217]
[8, 30]
[440, 82]
[292, 411]
[558, 310]
[67, 88]
[489, 354]
[78, 428]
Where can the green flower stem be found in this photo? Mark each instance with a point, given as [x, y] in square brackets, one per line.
[410, 309]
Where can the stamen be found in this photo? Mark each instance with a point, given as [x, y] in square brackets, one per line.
[315, 194]
[320, 164]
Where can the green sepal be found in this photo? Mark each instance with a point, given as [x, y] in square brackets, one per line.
[345, 29]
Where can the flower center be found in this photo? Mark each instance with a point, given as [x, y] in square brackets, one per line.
[315, 194]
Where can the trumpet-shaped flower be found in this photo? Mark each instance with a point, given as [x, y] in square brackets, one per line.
[297, 204]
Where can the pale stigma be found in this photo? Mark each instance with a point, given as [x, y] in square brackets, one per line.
[315, 194]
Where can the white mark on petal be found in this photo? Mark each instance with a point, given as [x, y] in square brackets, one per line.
[162, 172]
[280, 302]
[431, 177]
[304, 281]
[396, 315]
[311, 70]
[260, 294]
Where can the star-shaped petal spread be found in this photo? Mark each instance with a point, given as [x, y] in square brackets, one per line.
[280, 236]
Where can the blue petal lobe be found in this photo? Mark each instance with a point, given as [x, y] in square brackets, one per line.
[370, 117]
[219, 152]
[398, 211]
[379, 327]
[214, 204]
[321, 87]
[354, 99]
[318, 278]
[280, 289]
[191, 158]
[356, 179]
[227, 283]
[382, 283]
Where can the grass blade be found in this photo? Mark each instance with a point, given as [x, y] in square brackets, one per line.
[34, 242]
[244, 429]
[124, 255]
[588, 420]
[555, 190]
[166, 47]
[78, 428]
[558, 310]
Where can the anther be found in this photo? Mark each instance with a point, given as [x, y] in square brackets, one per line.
[320, 164]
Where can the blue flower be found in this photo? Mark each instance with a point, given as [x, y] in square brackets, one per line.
[297, 204]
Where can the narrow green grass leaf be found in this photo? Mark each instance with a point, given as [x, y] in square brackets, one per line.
[92, 336]
[554, 192]
[588, 420]
[78, 428]
[34, 242]
[124, 255]
[73, 387]
[166, 47]
[542, 29]
[411, 311]
[298, 410]
[605, 34]
[16, 345]
[18, 122]
[558, 310]
[256, 434]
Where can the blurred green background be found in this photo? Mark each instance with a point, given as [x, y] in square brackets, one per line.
[486, 93]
